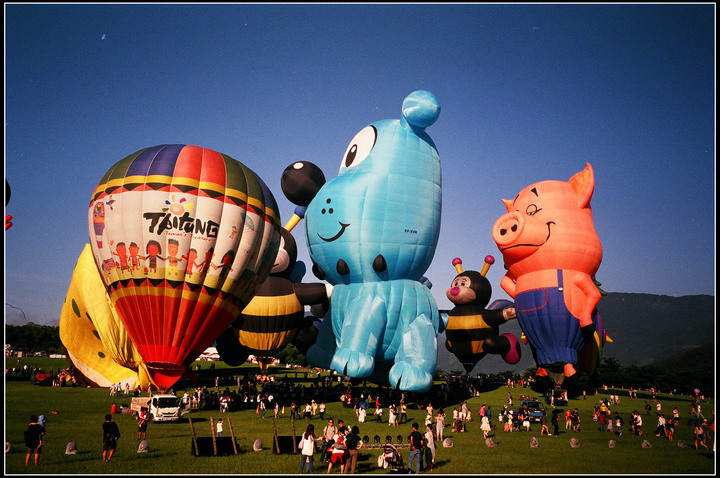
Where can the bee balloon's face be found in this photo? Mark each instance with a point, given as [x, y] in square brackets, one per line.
[286, 256]
[470, 287]
[461, 291]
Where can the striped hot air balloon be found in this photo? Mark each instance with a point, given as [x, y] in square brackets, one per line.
[183, 236]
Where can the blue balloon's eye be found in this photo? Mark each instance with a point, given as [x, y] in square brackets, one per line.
[359, 147]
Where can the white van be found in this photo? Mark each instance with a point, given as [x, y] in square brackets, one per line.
[161, 407]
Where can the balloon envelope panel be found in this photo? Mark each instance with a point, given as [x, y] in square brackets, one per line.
[87, 305]
[183, 236]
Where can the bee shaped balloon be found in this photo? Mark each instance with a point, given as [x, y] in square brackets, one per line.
[472, 329]
[372, 233]
[276, 316]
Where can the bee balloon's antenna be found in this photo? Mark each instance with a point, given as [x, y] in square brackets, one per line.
[489, 260]
[296, 218]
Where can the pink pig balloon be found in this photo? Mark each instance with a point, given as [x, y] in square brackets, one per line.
[551, 252]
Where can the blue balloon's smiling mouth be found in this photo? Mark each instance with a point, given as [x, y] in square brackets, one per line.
[336, 236]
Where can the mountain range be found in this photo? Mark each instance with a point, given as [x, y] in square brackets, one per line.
[645, 329]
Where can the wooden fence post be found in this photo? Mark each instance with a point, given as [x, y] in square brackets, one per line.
[192, 429]
[232, 436]
[212, 434]
[277, 442]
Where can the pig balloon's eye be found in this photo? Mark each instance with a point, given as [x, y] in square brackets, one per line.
[532, 209]
[359, 147]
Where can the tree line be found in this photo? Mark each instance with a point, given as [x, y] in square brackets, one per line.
[32, 337]
[682, 372]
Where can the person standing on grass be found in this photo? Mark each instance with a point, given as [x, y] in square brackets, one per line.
[415, 438]
[338, 450]
[353, 444]
[430, 447]
[439, 424]
[670, 428]
[33, 440]
[307, 449]
[111, 434]
[143, 419]
[699, 435]
[618, 424]
[485, 426]
[328, 433]
[575, 418]
[556, 422]
[602, 418]
[568, 419]
[543, 424]
[660, 430]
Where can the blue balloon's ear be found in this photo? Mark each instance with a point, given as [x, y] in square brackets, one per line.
[419, 110]
[298, 272]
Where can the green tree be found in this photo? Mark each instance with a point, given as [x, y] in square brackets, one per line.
[290, 354]
[32, 337]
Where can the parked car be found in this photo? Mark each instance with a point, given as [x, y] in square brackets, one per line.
[535, 409]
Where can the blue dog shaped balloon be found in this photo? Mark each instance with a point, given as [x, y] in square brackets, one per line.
[372, 233]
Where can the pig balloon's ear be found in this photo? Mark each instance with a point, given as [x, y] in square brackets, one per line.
[583, 183]
[508, 204]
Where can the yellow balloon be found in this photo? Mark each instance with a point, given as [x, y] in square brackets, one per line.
[96, 342]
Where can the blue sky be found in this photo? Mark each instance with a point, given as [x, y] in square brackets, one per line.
[528, 92]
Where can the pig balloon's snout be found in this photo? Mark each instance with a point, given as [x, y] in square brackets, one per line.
[507, 229]
[513, 228]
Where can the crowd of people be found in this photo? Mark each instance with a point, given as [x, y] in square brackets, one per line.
[338, 445]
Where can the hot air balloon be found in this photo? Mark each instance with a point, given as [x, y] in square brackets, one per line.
[551, 252]
[276, 314]
[372, 232]
[473, 330]
[8, 217]
[183, 236]
[96, 342]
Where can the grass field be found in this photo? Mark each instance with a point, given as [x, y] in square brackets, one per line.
[80, 413]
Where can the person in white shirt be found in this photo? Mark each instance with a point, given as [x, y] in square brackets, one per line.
[307, 447]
